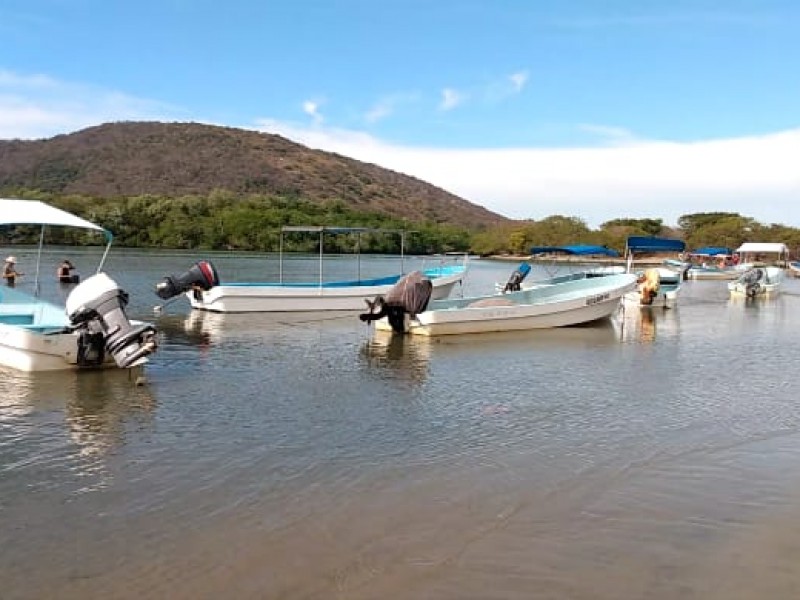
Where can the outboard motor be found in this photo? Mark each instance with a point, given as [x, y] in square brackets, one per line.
[201, 275]
[649, 284]
[514, 283]
[751, 280]
[96, 310]
[409, 296]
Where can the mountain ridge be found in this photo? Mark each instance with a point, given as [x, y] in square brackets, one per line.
[132, 158]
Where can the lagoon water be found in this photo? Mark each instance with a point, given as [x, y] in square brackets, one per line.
[305, 456]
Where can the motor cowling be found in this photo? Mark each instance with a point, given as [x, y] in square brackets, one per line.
[751, 280]
[201, 275]
[514, 283]
[409, 297]
[96, 310]
[649, 284]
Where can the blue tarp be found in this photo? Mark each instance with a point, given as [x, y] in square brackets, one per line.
[712, 251]
[579, 250]
[653, 244]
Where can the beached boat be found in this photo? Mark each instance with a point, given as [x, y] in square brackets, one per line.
[91, 330]
[560, 305]
[572, 262]
[660, 285]
[320, 295]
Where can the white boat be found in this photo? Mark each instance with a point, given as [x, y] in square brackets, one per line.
[569, 303]
[577, 266]
[713, 262]
[794, 268]
[659, 285]
[91, 330]
[757, 282]
[319, 295]
[760, 279]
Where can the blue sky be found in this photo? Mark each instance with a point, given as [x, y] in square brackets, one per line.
[595, 109]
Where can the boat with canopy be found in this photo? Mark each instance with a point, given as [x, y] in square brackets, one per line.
[91, 330]
[319, 295]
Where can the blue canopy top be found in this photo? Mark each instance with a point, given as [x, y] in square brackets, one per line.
[712, 251]
[578, 250]
[638, 243]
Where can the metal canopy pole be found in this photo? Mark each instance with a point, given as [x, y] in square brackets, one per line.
[403, 252]
[321, 238]
[280, 258]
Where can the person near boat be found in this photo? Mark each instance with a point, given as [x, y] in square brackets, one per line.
[65, 274]
[10, 272]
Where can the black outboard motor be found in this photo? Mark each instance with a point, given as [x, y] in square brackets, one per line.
[751, 279]
[514, 283]
[96, 310]
[409, 296]
[201, 274]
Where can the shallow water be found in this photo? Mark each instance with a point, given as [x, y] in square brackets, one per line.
[656, 455]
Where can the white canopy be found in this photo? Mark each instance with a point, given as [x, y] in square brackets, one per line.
[35, 212]
[762, 248]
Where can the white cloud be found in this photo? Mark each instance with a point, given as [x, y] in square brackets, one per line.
[387, 105]
[451, 98]
[755, 176]
[518, 80]
[36, 106]
[311, 108]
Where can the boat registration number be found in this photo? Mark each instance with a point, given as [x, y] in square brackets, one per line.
[597, 298]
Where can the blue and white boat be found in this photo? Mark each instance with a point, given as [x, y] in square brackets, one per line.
[713, 263]
[90, 331]
[658, 285]
[567, 303]
[578, 265]
[319, 295]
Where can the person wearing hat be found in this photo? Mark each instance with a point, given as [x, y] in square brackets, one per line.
[10, 272]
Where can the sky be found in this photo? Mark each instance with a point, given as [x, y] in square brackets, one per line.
[597, 109]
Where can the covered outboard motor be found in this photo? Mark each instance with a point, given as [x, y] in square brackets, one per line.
[96, 310]
[409, 296]
[201, 274]
[751, 280]
[514, 283]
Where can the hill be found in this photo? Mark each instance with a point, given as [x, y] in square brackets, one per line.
[176, 159]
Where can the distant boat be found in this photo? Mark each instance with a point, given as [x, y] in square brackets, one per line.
[757, 282]
[760, 279]
[708, 269]
[658, 286]
[559, 305]
[319, 295]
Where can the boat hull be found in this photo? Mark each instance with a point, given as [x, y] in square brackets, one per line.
[30, 351]
[563, 305]
[239, 298]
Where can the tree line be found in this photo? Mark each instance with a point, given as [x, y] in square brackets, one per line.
[224, 220]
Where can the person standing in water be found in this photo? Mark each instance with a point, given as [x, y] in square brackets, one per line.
[10, 272]
[64, 272]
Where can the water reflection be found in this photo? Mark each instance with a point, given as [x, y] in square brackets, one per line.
[398, 357]
[644, 324]
[96, 407]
